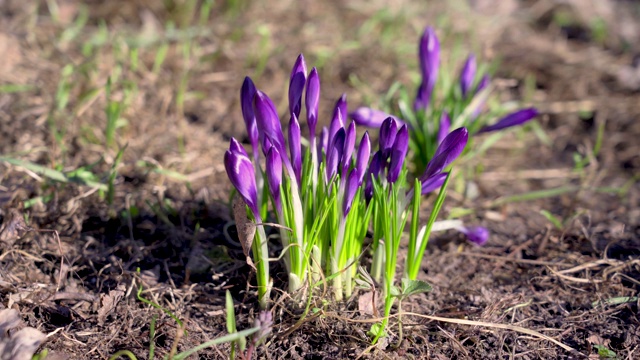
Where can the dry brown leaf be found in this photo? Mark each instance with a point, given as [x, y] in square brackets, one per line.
[246, 228]
[109, 302]
[21, 345]
[13, 227]
[365, 303]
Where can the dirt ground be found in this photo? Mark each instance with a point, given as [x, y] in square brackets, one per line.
[177, 75]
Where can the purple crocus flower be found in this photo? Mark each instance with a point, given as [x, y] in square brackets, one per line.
[334, 154]
[434, 182]
[484, 82]
[312, 98]
[374, 172]
[295, 150]
[323, 145]
[476, 234]
[467, 75]
[445, 125]
[247, 92]
[350, 192]
[349, 145]
[273, 169]
[296, 86]
[514, 119]
[429, 56]
[368, 117]
[268, 120]
[237, 148]
[398, 154]
[242, 175]
[339, 112]
[450, 148]
[362, 158]
[386, 138]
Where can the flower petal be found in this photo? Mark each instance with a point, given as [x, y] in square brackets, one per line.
[296, 86]
[514, 119]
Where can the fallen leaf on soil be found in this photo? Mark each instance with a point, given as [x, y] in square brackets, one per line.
[109, 302]
[366, 304]
[13, 227]
[596, 339]
[246, 228]
[20, 345]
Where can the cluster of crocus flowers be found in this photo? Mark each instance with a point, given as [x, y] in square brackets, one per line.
[325, 195]
[437, 110]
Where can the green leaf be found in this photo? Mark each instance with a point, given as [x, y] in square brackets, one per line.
[412, 287]
[605, 353]
[377, 330]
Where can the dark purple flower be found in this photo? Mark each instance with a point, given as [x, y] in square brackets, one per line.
[312, 98]
[334, 154]
[339, 112]
[241, 174]
[274, 175]
[514, 119]
[349, 145]
[266, 145]
[445, 125]
[433, 183]
[237, 148]
[350, 192]
[295, 149]
[368, 117]
[476, 234]
[450, 148]
[429, 56]
[484, 82]
[296, 86]
[398, 154]
[467, 75]
[247, 92]
[268, 120]
[362, 158]
[386, 138]
[324, 142]
[374, 172]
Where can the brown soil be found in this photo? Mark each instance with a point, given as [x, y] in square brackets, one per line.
[530, 274]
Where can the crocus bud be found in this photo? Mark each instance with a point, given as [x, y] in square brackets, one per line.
[237, 148]
[334, 154]
[312, 98]
[296, 86]
[374, 172]
[484, 82]
[247, 92]
[241, 174]
[295, 150]
[323, 144]
[429, 56]
[476, 234]
[266, 145]
[514, 119]
[445, 125]
[398, 154]
[273, 169]
[368, 117]
[268, 120]
[467, 75]
[450, 148]
[433, 183]
[362, 158]
[339, 116]
[349, 144]
[387, 136]
[350, 192]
